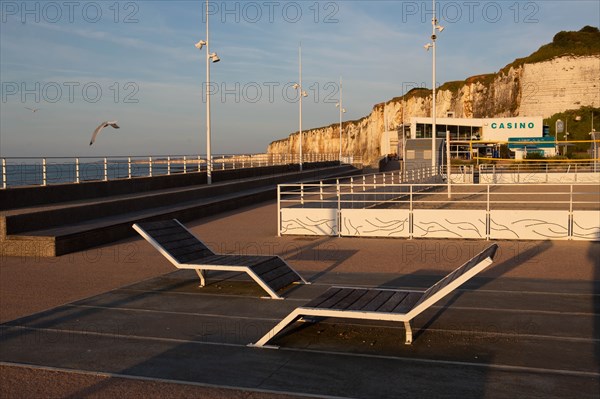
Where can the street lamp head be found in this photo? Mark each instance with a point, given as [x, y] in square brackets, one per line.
[440, 28]
[296, 86]
[304, 94]
[344, 110]
[200, 44]
[214, 57]
[428, 46]
[337, 105]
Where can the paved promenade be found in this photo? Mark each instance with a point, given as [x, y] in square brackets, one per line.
[119, 320]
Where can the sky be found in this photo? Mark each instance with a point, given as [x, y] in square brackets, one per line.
[84, 62]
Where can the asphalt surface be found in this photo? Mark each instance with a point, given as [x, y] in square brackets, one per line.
[121, 321]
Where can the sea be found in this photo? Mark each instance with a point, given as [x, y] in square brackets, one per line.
[28, 173]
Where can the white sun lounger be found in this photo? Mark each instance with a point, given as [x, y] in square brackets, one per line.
[383, 304]
[185, 251]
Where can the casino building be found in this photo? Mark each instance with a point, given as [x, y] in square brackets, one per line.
[482, 137]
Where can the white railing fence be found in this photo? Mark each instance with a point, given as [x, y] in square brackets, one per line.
[429, 210]
[56, 170]
[539, 173]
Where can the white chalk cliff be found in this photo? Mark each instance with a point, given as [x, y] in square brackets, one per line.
[527, 88]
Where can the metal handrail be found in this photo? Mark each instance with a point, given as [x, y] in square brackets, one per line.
[26, 171]
[331, 193]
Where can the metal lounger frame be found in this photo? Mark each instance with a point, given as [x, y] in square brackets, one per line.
[201, 267]
[426, 299]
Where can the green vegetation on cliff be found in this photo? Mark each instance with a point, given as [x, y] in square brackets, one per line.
[578, 122]
[584, 42]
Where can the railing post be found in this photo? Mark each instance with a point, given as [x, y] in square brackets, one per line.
[185, 164]
[129, 167]
[364, 179]
[339, 209]
[3, 172]
[169, 165]
[321, 191]
[105, 169]
[570, 226]
[44, 182]
[302, 193]
[351, 184]
[488, 223]
[77, 179]
[410, 212]
[150, 166]
[278, 211]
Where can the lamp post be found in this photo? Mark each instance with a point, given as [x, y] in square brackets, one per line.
[214, 58]
[434, 26]
[342, 110]
[595, 142]
[301, 93]
[559, 127]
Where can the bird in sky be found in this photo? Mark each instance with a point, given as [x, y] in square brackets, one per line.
[33, 109]
[102, 126]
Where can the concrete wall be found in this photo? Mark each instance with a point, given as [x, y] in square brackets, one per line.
[20, 197]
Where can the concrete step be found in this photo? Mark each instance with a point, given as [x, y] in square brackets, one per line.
[37, 218]
[64, 239]
[31, 196]
[71, 227]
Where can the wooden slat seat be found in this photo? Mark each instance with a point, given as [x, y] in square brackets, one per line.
[383, 304]
[186, 251]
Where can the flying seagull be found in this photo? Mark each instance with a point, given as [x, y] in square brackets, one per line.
[33, 109]
[102, 126]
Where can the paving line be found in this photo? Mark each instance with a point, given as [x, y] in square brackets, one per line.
[393, 327]
[482, 290]
[368, 325]
[161, 292]
[464, 308]
[502, 367]
[530, 311]
[508, 292]
[168, 381]
[179, 313]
